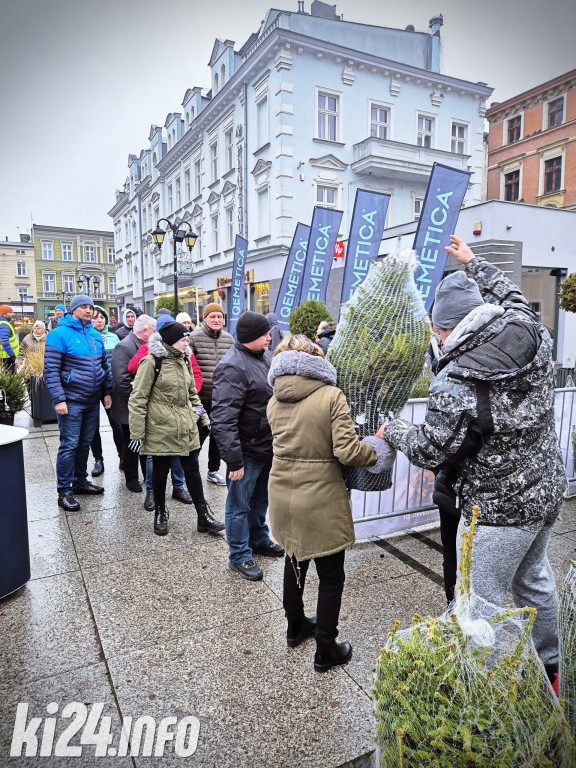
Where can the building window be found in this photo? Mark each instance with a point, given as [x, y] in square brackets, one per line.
[178, 195]
[110, 254]
[197, 178]
[49, 283]
[68, 283]
[215, 233]
[555, 112]
[425, 136]
[417, 203]
[112, 285]
[262, 122]
[328, 116]
[459, 138]
[214, 161]
[21, 268]
[89, 255]
[512, 186]
[552, 175]
[514, 129]
[230, 225]
[66, 251]
[187, 185]
[326, 196]
[379, 121]
[22, 294]
[47, 252]
[229, 149]
[170, 199]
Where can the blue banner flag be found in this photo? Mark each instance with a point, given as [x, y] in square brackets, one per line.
[364, 240]
[289, 293]
[444, 196]
[320, 252]
[237, 291]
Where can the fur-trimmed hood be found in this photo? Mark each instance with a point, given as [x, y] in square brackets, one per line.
[158, 348]
[301, 364]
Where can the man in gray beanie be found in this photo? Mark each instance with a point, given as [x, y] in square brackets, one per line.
[240, 394]
[490, 428]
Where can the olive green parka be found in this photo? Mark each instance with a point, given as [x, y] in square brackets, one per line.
[164, 415]
[308, 503]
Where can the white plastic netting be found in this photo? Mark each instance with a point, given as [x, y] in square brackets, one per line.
[379, 350]
[468, 689]
[567, 628]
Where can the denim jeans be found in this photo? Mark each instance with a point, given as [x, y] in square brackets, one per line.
[246, 507]
[178, 479]
[77, 429]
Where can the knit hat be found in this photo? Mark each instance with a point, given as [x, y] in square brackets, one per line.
[162, 320]
[250, 326]
[171, 332]
[183, 317]
[213, 307]
[456, 295]
[163, 311]
[5, 308]
[60, 306]
[98, 308]
[77, 301]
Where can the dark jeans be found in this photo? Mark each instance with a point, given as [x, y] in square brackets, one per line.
[161, 467]
[117, 435]
[330, 570]
[213, 452]
[246, 507]
[130, 458]
[76, 433]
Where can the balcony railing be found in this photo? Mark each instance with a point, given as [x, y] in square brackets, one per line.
[382, 157]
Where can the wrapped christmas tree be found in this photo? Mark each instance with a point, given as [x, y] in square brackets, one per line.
[379, 351]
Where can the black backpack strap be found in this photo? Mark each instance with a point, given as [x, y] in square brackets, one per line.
[157, 369]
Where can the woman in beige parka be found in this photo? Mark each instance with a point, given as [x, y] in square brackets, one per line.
[165, 415]
[309, 507]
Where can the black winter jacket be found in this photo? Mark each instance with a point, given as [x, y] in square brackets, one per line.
[240, 394]
[122, 353]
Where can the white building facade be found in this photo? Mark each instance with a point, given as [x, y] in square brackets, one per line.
[309, 110]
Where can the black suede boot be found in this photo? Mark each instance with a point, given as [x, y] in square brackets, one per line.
[299, 629]
[328, 656]
[161, 516]
[206, 522]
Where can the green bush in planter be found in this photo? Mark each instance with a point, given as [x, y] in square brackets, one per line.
[307, 317]
[167, 302]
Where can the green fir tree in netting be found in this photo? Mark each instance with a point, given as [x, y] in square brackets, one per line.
[379, 351]
[567, 294]
[567, 630]
[307, 317]
[468, 689]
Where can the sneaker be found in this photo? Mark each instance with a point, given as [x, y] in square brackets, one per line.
[248, 570]
[98, 468]
[270, 549]
[181, 495]
[68, 502]
[134, 486]
[216, 477]
[87, 488]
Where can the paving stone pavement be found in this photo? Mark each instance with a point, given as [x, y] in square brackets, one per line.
[160, 627]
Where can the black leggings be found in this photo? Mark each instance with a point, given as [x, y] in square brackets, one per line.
[161, 467]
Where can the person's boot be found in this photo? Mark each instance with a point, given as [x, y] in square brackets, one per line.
[161, 515]
[206, 522]
[299, 629]
[328, 656]
[149, 501]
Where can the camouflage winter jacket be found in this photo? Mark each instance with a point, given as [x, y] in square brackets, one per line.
[491, 411]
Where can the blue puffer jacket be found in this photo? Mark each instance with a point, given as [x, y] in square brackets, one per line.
[75, 364]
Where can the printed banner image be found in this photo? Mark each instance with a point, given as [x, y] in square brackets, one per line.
[319, 254]
[289, 292]
[237, 291]
[444, 196]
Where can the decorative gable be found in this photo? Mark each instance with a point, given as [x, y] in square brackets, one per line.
[328, 162]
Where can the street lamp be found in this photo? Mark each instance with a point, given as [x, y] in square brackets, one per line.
[178, 235]
[86, 279]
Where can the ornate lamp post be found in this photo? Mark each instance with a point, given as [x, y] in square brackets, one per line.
[178, 235]
[85, 280]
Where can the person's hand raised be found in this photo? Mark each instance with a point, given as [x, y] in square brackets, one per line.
[458, 248]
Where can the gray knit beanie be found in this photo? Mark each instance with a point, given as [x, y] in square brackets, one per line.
[456, 295]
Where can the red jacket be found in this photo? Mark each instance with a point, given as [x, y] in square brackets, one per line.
[143, 351]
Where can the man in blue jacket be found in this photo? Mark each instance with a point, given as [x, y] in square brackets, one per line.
[77, 375]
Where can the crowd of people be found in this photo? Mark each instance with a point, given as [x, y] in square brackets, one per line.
[268, 406]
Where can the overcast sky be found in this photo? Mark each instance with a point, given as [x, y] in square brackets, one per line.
[81, 81]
